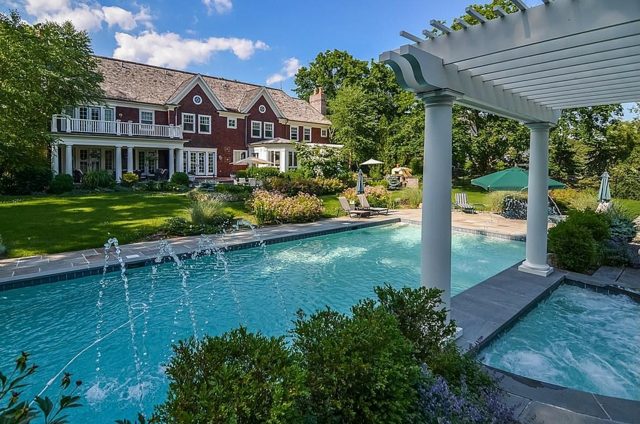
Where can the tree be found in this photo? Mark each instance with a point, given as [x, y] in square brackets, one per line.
[43, 68]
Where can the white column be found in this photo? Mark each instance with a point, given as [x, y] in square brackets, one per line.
[537, 204]
[180, 153]
[55, 164]
[129, 159]
[436, 195]
[118, 164]
[172, 162]
[68, 159]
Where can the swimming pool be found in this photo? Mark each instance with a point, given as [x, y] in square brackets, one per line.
[576, 338]
[86, 323]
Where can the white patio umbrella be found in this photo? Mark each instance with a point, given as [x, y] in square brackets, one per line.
[604, 194]
[372, 162]
[360, 183]
[251, 161]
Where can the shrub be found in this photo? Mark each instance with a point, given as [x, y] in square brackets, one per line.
[625, 181]
[61, 183]
[242, 192]
[180, 178]
[357, 369]
[182, 227]
[209, 212]
[129, 179]
[409, 198]
[25, 179]
[573, 246]
[317, 186]
[241, 173]
[496, 199]
[568, 199]
[273, 207]
[262, 172]
[98, 179]
[237, 377]
[597, 224]
[621, 226]
[3, 248]
[377, 196]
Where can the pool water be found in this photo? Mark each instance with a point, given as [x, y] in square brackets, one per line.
[576, 338]
[118, 347]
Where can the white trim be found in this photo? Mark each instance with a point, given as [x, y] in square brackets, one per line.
[138, 105]
[99, 140]
[237, 155]
[304, 130]
[153, 116]
[206, 151]
[272, 104]
[197, 80]
[251, 129]
[199, 123]
[232, 119]
[227, 114]
[297, 128]
[304, 123]
[273, 130]
[324, 132]
[194, 122]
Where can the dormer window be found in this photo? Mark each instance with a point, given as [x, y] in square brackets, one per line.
[268, 130]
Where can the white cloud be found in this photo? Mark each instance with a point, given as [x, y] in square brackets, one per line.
[220, 6]
[87, 15]
[289, 69]
[171, 49]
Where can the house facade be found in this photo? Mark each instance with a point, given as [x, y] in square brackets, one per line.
[155, 118]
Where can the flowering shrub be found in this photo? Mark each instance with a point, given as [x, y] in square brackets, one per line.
[377, 196]
[275, 208]
[569, 198]
[129, 179]
[317, 186]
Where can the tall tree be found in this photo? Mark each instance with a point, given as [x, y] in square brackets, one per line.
[43, 68]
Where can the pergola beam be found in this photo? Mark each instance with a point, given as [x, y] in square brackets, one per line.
[599, 102]
[520, 5]
[602, 79]
[564, 88]
[440, 26]
[568, 77]
[475, 14]
[619, 97]
[546, 97]
[411, 37]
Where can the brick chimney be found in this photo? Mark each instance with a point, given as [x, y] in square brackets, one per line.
[318, 100]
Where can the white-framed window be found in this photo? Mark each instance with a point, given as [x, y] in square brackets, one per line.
[200, 162]
[83, 112]
[204, 124]
[211, 163]
[239, 155]
[324, 133]
[293, 134]
[108, 160]
[256, 129]
[141, 161]
[292, 161]
[109, 114]
[262, 109]
[232, 123]
[307, 134]
[274, 158]
[185, 161]
[268, 130]
[188, 122]
[146, 117]
[197, 99]
[193, 162]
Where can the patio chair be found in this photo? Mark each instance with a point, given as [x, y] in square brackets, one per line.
[253, 182]
[463, 203]
[395, 183]
[351, 210]
[364, 206]
[241, 181]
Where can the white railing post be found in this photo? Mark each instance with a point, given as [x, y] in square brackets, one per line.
[118, 127]
[54, 126]
[129, 128]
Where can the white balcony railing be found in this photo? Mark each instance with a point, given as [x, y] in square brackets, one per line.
[64, 123]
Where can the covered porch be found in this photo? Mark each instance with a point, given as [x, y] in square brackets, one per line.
[282, 152]
[525, 66]
[76, 156]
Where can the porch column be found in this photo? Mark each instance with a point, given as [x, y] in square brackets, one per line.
[180, 153]
[129, 159]
[172, 162]
[536, 247]
[436, 195]
[118, 164]
[55, 163]
[68, 159]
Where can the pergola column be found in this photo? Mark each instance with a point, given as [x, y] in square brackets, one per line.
[55, 163]
[172, 162]
[68, 159]
[118, 164]
[180, 153]
[436, 194]
[537, 203]
[129, 159]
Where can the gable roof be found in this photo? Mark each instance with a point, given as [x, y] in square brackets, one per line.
[136, 82]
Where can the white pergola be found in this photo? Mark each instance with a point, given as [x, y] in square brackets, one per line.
[526, 66]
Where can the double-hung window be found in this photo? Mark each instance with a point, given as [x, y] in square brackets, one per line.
[274, 158]
[256, 129]
[146, 117]
[268, 130]
[324, 133]
[293, 134]
[188, 122]
[292, 160]
[204, 124]
[307, 134]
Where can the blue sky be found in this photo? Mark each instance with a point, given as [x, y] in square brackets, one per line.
[259, 41]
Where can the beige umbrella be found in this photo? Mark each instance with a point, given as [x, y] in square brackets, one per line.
[372, 162]
[251, 161]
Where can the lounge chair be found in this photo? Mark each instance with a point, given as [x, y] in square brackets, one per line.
[463, 203]
[364, 206]
[351, 210]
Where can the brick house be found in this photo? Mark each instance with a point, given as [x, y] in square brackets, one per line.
[156, 118]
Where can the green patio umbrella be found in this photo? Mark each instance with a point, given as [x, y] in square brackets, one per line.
[510, 179]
